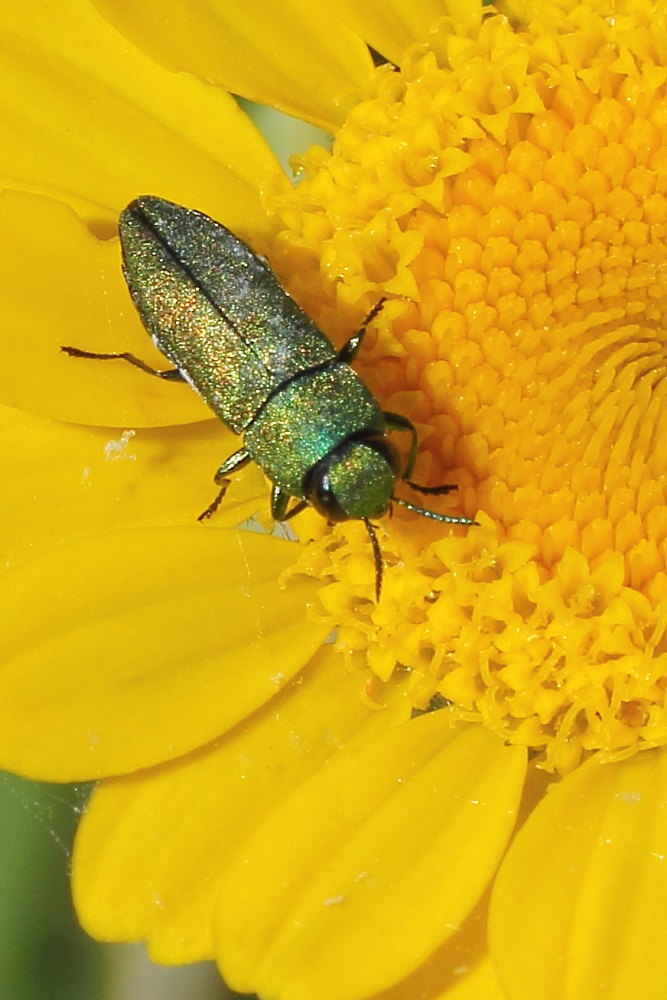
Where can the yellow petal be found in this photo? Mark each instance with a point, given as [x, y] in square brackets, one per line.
[127, 650]
[479, 983]
[579, 905]
[60, 285]
[67, 481]
[458, 970]
[90, 118]
[294, 56]
[180, 824]
[390, 26]
[380, 857]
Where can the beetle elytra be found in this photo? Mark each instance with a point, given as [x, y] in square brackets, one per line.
[216, 310]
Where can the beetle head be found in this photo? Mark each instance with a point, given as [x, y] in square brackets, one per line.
[355, 480]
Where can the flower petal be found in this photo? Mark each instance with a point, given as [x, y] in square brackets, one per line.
[381, 855]
[390, 26]
[60, 285]
[67, 481]
[201, 808]
[86, 115]
[460, 969]
[110, 642]
[578, 908]
[294, 56]
[478, 983]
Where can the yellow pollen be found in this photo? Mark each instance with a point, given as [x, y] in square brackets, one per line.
[506, 189]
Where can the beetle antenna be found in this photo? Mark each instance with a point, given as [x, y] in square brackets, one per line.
[444, 518]
[377, 556]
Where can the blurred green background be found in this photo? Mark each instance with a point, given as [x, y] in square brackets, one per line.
[44, 954]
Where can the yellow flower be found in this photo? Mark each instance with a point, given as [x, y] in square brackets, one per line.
[357, 818]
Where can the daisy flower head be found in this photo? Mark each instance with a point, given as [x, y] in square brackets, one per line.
[447, 799]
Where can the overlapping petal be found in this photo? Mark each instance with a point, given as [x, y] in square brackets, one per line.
[316, 832]
[578, 906]
[99, 122]
[478, 983]
[295, 56]
[68, 480]
[209, 802]
[123, 653]
[60, 284]
[381, 856]
[391, 26]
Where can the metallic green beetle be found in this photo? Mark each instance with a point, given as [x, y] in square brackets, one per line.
[216, 310]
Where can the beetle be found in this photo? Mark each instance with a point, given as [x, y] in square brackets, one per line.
[216, 310]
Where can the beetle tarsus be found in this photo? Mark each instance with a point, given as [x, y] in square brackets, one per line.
[349, 349]
[212, 507]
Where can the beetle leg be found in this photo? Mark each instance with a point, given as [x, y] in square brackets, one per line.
[172, 374]
[213, 506]
[279, 501]
[377, 557]
[432, 490]
[397, 422]
[349, 350]
[296, 509]
[232, 464]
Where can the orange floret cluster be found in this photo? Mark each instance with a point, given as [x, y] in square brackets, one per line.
[506, 189]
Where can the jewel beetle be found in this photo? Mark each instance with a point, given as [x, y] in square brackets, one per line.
[216, 310]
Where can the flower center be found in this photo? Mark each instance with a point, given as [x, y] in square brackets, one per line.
[505, 189]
